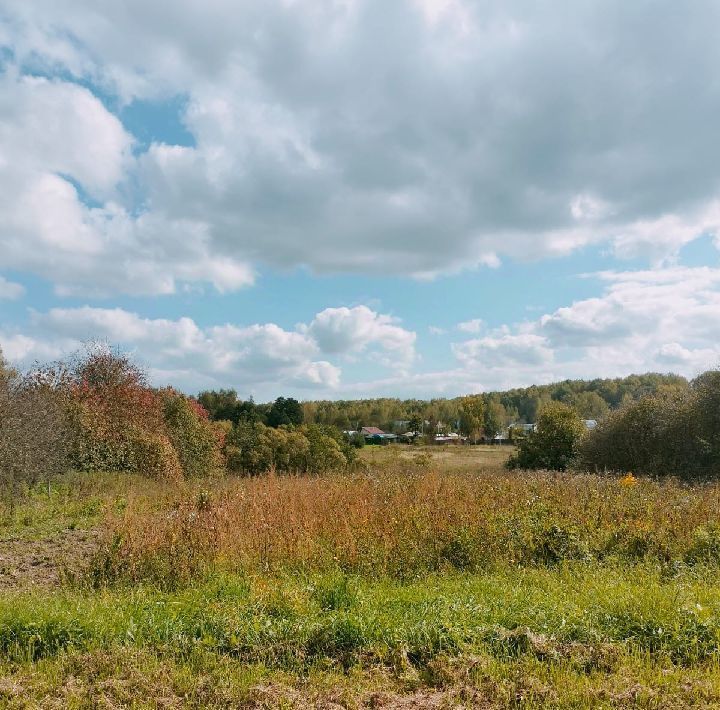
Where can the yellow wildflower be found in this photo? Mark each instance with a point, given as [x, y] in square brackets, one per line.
[628, 480]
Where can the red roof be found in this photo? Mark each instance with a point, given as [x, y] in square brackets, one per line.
[372, 430]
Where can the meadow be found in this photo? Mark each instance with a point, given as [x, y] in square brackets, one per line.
[426, 577]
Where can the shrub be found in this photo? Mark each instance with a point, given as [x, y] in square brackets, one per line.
[675, 433]
[34, 433]
[553, 445]
[249, 449]
[256, 448]
[120, 424]
[193, 436]
[154, 456]
[328, 448]
[111, 409]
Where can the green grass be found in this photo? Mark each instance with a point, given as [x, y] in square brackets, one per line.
[294, 623]
[575, 630]
[74, 501]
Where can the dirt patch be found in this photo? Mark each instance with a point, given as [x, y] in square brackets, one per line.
[45, 563]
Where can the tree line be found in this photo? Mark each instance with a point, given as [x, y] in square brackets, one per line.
[591, 399]
[96, 411]
[670, 431]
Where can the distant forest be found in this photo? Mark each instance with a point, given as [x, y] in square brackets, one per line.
[590, 398]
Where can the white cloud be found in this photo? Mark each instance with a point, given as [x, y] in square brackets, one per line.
[65, 162]
[10, 290]
[656, 306]
[458, 136]
[259, 358]
[504, 349]
[471, 326]
[354, 330]
[250, 357]
[655, 320]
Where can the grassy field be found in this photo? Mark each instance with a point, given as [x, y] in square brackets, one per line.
[428, 578]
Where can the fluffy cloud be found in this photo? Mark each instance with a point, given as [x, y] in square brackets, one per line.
[354, 330]
[655, 320]
[66, 162]
[649, 307]
[264, 359]
[247, 357]
[525, 349]
[417, 137]
[471, 326]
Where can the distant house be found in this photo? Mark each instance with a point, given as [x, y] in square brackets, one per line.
[373, 435]
[451, 438]
[501, 437]
[522, 429]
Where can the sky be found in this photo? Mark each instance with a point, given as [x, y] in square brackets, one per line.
[354, 198]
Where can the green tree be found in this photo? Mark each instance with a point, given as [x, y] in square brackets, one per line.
[220, 404]
[415, 424]
[554, 443]
[589, 405]
[285, 411]
[472, 417]
[673, 431]
[495, 417]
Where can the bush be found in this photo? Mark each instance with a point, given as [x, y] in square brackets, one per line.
[676, 433]
[111, 409]
[120, 424]
[249, 449]
[256, 448]
[194, 438]
[34, 433]
[554, 443]
[155, 456]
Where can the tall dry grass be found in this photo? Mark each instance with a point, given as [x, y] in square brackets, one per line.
[402, 521]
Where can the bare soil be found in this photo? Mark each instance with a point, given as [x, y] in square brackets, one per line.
[25, 564]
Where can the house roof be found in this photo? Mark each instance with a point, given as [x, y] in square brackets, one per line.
[372, 430]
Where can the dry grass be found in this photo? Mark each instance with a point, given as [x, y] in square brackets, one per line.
[412, 516]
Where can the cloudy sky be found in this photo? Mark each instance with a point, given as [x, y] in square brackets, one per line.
[345, 198]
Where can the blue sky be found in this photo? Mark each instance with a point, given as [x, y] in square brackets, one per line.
[347, 198]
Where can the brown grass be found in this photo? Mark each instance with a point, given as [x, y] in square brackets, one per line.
[411, 516]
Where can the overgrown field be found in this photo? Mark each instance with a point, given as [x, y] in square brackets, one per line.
[430, 578]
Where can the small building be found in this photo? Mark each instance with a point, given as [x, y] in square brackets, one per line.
[374, 435]
[451, 438]
[590, 424]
